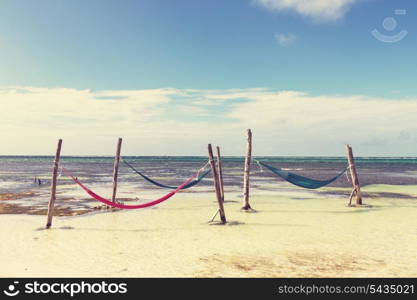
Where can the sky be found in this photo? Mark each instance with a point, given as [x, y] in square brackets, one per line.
[171, 76]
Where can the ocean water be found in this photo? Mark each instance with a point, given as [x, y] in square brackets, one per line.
[17, 175]
[19, 172]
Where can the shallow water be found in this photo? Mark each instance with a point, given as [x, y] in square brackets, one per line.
[309, 237]
[17, 174]
[293, 233]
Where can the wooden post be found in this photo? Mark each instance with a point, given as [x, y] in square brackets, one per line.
[220, 173]
[355, 180]
[51, 205]
[116, 169]
[216, 184]
[246, 172]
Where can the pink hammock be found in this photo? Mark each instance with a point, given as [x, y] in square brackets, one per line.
[124, 206]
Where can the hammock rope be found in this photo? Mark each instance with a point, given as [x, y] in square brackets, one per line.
[302, 181]
[197, 179]
[125, 206]
[60, 172]
[259, 165]
[347, 175]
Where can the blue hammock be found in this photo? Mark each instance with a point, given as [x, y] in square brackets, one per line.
[302, 181]
[191, 184]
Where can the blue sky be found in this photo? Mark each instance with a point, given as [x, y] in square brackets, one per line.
[201, 48]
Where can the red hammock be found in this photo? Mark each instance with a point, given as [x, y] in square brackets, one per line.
[124, 206]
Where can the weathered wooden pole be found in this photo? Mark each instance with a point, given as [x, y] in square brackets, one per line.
[51, 205]
[246, 172]
[355, 180]
[116, 169]
[216, 184]
[220, 173]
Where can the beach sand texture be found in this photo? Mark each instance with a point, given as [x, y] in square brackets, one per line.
[292, 234]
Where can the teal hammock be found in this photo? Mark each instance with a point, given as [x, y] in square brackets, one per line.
[302, 181]
[187, 186]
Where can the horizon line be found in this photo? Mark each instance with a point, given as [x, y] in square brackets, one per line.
[225, 156]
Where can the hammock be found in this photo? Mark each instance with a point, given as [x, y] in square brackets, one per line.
[302, 181]
[124, 206]
[190, 184]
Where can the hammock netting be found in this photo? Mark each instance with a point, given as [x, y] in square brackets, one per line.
[125, 206]
[302, 181]
[187, 186]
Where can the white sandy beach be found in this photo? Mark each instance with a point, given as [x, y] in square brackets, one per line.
[290, 235]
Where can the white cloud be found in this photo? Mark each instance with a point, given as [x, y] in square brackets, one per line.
[319, 10]
[285, 39]
[182, 122]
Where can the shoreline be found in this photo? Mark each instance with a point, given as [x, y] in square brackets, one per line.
[85, 205]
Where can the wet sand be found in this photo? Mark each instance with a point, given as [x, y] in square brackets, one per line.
[291, 234]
